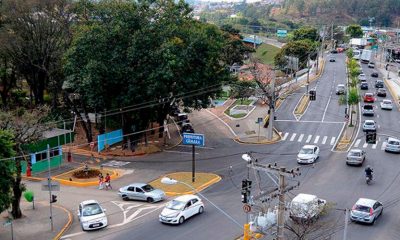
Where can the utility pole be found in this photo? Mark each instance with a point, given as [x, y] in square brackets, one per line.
[49, 184]
[346, 222]
[308, 72]
[332, 36]
[282, 172]
[270, 130]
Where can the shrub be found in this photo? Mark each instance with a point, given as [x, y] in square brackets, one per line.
[91, 173]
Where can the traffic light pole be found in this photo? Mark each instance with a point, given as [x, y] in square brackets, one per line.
[49, 185]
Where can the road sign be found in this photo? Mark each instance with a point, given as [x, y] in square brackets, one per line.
[193, 139]
[246, 208]
[260, 120]
[281, 33]
[55, 186]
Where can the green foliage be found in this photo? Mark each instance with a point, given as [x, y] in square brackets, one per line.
[243, 89]
[305, 33]
[349, 53]
[354, 31]
[6, 173]
[266, 53]
[353, 96]
[299, 49]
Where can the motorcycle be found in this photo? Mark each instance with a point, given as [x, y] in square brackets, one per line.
[368, 178]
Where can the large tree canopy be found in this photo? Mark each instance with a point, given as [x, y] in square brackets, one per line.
[300, 49]
[6, 173]
[354, 31]
[129, 53]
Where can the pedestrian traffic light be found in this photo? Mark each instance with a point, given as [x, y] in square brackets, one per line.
[370, 137]
[53, 198]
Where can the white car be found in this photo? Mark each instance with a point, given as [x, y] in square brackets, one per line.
[308, 154]
[366, 210]
[181, 208]
[362, 77]
[92, 215]
[369, 125]
[387, 104]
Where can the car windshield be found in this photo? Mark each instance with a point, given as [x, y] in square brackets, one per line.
[175, 205]
[147, 188]
[91, 209]
[354, 154]
[361, 208]
[368, 95]
[369, 123]
[394, 142]
[306, 151]
[387, 102]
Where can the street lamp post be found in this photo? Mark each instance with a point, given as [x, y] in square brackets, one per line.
[170, 181]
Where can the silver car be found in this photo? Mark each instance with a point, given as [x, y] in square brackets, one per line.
[141, 191]
[369, 125]
[355, 157]
[366, 210]
[393, 145]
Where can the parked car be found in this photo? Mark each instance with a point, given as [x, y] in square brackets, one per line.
[308, 154]
[369, 125]
[366, 210]
[340, 89]
[362, 77]
[187, 128]
[364, 85]
[91, 215]
[306, 207]
[374, 74]
[369, 97]
[182, 118]
[368, 110]
[392, 145]
[387, 104]
[181, 208]
[379, 84]
[355, 157]
[381, 92]
[332, 59]
[371, 65]
[141, 191]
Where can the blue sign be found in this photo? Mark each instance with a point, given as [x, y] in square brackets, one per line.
[281, 33]
[193, 139]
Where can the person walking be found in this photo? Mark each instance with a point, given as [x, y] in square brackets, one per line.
[101, 181]
[108, 181]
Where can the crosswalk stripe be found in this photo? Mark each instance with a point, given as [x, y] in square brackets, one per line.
[357, 143]
[374, 145]
[333, 140]
[285, 136]
[365, 145]
[300, 138]
[308, 138]
[324, 139]
[293, 136]
[383, 145]
[316, 139]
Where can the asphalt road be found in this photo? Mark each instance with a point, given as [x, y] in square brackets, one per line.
[330, 178]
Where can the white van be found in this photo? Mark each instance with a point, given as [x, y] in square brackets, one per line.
[306, 207]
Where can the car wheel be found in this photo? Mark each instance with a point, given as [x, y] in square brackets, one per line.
[125, 198]
[181, 220]
[201, 210]
[150, 200]
[373, 221]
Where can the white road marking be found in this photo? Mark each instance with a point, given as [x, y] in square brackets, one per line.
[300, 138]
[170, 151]
[316, 139]
[379, 126]
[383, 145]
[374, 145]
[285, 136]
[308, 138]
[307, 121]
[333, 140]
[115, 163]
[293, 136]
[365, 145]
[377, 116]
[324, 139]
[357, 143]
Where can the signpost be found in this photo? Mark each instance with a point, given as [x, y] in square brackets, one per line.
[194, 140]
[259, 122]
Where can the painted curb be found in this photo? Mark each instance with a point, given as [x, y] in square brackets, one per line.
[392, 92]
[67, 225]
[216, 179]
[302, 105]
[266, 142]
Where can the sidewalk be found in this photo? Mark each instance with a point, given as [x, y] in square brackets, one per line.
[35, 223]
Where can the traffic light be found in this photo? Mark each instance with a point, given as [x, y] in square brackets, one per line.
[53, 198]
[370, 137]
[313, 95]
[246, 186]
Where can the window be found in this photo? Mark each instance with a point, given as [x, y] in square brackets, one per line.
[139, 190]
[188, 204]
[131, 189]
[43, 155]
[194, 201]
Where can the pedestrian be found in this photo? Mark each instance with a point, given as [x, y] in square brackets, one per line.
[108, 181]
[101, 181]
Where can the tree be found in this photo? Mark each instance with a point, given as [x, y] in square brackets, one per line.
[35, 36]
[243, 89]
[305, 33]
[235, 50]
[108, 66]
[6, 173]
[300, 49]
[354, 31]
[27, 127]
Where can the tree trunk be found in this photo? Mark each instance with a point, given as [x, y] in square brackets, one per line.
[351, 115]
[17, 191]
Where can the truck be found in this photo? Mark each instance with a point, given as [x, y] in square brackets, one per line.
[366, 56]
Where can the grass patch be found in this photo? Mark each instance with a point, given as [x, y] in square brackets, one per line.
[266, 53]
[186, 177]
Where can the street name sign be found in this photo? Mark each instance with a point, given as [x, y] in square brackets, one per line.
[193, 139]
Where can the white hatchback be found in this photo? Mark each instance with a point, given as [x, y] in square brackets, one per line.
[181, 208]
[308, 154]
[92, 215]
[387, 104]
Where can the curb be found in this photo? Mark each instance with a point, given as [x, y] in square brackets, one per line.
[67, 225]
[302, 105]
[216, 179]
[265, 142]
